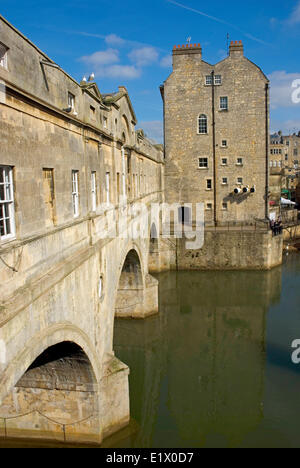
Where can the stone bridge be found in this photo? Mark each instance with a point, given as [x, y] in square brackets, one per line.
[57, 360]
[72, 165]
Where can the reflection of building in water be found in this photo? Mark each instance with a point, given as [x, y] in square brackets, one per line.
[142, 344]
[216, 377]
[197, 371]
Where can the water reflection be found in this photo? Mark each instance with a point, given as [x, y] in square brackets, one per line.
[198, 369]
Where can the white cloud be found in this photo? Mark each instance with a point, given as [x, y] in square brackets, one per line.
[119, 71]
[166, 62]
[281, 88]
[295, 16]
[114, 40]
[105, 57]
[143, 56]
[153, 129]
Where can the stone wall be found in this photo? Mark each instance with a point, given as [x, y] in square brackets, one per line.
[235, 250]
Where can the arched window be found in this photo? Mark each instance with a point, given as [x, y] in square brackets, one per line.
[202, 124]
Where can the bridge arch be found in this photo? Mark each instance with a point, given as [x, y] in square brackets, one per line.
[130, 287]
[57, 396]
[51, 336]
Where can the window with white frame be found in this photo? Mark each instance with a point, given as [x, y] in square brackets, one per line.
[202, 124]
[208, 80]
[218, 80]
[224, 103]
[224, 181]
[224, 161]
[75, 193]
[239, 161]
[203, 163]
[3, 55]
[240, 180]
[7, 209]
[94, 191]
[209, 206]
[224, 143]
[208, 184]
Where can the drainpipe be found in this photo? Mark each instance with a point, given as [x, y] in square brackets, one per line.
[267, 151]
[214, 147]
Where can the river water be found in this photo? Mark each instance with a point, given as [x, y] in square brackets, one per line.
[214, 368]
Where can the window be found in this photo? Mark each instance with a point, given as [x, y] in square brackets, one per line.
[271, 151]
[208, 184]
[223, 103]
[208, 80]
[240, 180]
[286, 157]
[287, 143]
[93, 112]
[224, 161]
[224, 181]
[271, 163]
[49, 196]
[202, 124]
[295, 152]
[94, 190]
[218, 80]
[239, 161]
[224, 143]
[71, 101]
[75, 193]
[203, 163]
[7, 208]
[105, 122]
[209, 206]
[107, 187]
[224, 206]
[3, 55]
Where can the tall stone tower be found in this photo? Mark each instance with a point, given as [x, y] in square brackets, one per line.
[216, 120]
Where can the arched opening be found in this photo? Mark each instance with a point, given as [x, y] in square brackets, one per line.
[130, 294]
[153, 250]
[56, 398]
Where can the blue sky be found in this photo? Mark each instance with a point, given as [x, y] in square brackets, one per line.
[130, 42]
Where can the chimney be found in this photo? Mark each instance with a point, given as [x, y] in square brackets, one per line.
[184, 53]
[236, 49]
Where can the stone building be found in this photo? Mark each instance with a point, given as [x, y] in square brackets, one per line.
[216, 122]
[216, 135]
[284, 153]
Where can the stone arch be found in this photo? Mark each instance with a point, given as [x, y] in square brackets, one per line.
[130, 292]
[136, 290]
[38, 344]
[57, 393]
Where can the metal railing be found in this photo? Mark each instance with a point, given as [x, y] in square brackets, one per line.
[63, 426]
